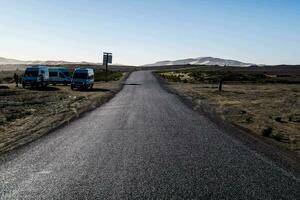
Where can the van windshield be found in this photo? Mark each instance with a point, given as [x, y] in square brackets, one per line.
[80, 75]
[31, 73]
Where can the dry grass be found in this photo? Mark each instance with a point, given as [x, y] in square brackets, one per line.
[7, 76]
[27, 114]
[272, 110]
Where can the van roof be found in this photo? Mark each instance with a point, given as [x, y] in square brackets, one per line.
[57, 68]
[84, 68]
[36, 67]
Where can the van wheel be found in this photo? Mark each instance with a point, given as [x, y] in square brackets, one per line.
[91, 87]
[23, 85]
[72, 88]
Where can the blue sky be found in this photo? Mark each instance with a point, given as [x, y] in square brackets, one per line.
[140, 32]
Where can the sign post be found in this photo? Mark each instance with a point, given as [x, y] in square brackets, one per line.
[107, 58]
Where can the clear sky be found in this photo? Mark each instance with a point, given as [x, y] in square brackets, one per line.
[145, 31]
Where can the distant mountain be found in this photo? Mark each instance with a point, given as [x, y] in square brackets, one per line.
[202, 61]
[7, 64]
[7, 61]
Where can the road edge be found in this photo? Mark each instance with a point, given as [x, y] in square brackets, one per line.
[288, 160]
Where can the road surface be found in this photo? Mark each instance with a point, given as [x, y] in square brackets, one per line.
[144, 143]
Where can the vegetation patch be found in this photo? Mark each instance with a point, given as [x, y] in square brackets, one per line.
[267, 131]
[107, 76]
[197, 76]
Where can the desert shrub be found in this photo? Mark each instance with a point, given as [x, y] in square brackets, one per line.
[174, 78]
[278, 119]
[11, 117]
[294, 118]
[8, 80]
[109, 76]
[249, 120]
[266, 132]
[2, 120]
[277, 136]
[171, 77]
[284, 79]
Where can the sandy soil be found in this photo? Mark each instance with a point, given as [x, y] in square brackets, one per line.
[270, 110]
[26, 114]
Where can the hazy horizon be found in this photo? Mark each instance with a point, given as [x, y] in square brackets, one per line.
[143, 32]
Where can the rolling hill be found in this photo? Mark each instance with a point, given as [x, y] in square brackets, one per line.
[8, 61]
[202, 61]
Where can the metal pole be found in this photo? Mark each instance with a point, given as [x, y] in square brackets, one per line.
[106, 62]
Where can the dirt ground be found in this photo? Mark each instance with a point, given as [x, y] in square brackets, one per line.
[26, 114]
[270, 110]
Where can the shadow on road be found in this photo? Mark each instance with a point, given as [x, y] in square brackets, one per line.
[95, 90]
[131, 84]
[44, 89]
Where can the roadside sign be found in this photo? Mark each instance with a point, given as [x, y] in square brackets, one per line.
[107, 58]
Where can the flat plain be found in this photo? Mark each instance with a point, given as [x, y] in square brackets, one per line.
[27, 114]
[266, 105]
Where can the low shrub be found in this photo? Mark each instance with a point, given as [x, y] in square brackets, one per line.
[171, 77]
[294, 118]
[277, 136]
[109, 76]
[8, 80]
[278, 119]
[266, 132]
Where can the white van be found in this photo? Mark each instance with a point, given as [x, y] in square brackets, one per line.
[83, 78]
[59, 75]
[37, 76]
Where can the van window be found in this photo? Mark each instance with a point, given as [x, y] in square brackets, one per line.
[67, 74]
[31, 73]
[80, 75]
[53, 74]
[61, 75]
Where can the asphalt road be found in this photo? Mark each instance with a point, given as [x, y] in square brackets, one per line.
[144, 143]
